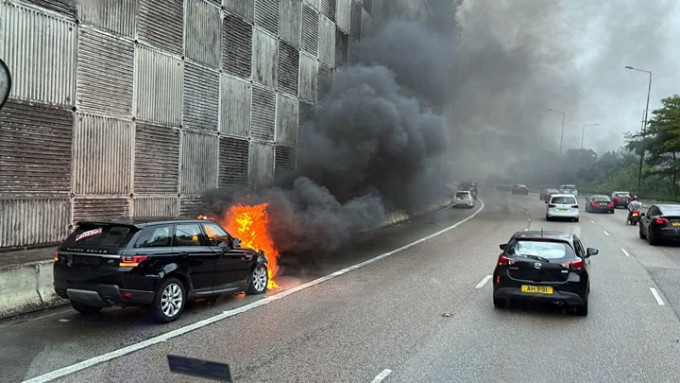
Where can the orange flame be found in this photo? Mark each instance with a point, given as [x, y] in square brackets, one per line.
[250, 224]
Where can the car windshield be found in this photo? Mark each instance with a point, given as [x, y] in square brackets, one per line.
[544, 249]
[563, 200]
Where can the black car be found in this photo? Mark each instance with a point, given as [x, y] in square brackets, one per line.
[161, 263]
[661, 222]
[543, 267]
[520, 189]
[546, 193]
[621, 198]
[599, 204]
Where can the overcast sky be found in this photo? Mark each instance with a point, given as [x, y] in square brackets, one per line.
[522, 57]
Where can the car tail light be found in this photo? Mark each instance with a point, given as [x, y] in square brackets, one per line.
[661, 221]
[56, 256]
[611, 204]
[552, 205]
[617, 198]
[131, 260]
[574, 206]
[574, 265]
[505, 261]
[594, 204]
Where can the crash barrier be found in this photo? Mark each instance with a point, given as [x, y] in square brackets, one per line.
[27, 287]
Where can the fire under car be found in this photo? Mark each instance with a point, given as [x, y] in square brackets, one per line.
[156, 263]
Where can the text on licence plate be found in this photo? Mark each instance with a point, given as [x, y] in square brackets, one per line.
[676, 224]
[537, 289]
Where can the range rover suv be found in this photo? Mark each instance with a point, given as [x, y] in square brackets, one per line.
[160, 263]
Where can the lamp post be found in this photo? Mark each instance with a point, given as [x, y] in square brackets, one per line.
[644, 123]
[583, 131]
[562, 132]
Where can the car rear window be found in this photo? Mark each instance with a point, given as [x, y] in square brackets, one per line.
[462, 195]
[601, 198]
[563, 200]
[545, 249]
[101, 236]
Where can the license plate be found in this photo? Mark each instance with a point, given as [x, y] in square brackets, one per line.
[537, 289]
[563, 210]
[603, 204]
[676, 224]
[84, 260]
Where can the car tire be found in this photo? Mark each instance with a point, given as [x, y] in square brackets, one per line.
[170, 300]
[651, 238]
[581, 310]
[575, 219]
[500, 303]
[547, 218]
[258, 280]
[642, 236]
[85, 309]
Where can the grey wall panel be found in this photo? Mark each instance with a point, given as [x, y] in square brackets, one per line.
[190, 206]
[287, 117]
[237, 46]
[366, 23]
[309, 38]
[243, 8]
[90, 209]
[159, 80]
[326, 40]
[236, 97]
[40, 50]
[264, 114]
[117, 16]
[368, 5]
[156, 206]
[32, 221]
[102, 155]
[314, 4]
[199, 163]
[289, 63]
[233, 162]
[260, 165]
[267, 15]
[36, 144]
[201, 97]
[343, 14]
[265, 58]
[327, 8]
[160, 24]
[355, 19]
[105, 73]
[284, 162]
[309, 69]
[156, 159]
[306, 117]
[341, 48]
[325, 79]
[203, 33]
[289, 23]
[67, 7]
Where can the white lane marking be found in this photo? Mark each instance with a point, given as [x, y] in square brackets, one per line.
[625, 252]
[657, 296]
[381, 376]
[605, 232]
[591, 221]
[483, 282]
[226, 314]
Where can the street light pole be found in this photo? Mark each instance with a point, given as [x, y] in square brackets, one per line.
[644, 123]
[583, 131]
[562, 132]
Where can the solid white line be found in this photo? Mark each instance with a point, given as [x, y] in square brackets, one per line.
[381, 376]
[591, 221]
[605, 232]
[657, 296]
[226, 314]
[625, 252]
[483, 282]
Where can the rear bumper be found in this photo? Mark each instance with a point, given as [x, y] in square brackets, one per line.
[562, 214]
[104, 295]
[669, 234]
[558, 296]
[463, 203]
[601, 209]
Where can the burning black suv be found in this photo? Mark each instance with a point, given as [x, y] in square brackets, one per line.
[161, 263]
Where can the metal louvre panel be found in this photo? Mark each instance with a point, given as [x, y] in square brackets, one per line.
[267, 15]
[236, 98]
[306, 117]
[201, 97]
[284, 162]
[244, 8]
[91, 209]
[237, 46]
[312, 3]
[342, 14]
[159, 81]
[161, 24]
[309, 38]
[289, 62]
[326, 40]
[105, 74]
[366, 23]
[355, 20]
[190, 206]
[32, 221]
[199, 163]
[265, 58]
[36, 148]
[325, 79]
[260, 165]
[203, 33]
[67, 7]
[112, 15]
[341, 48]
[289, 23]
[156, 159]
[287, 116]
[102, 155]
[327, 8]
[368, 5]
[40, 50]
[264, 113]
[156, 206]
[309, 68]
[233, 162]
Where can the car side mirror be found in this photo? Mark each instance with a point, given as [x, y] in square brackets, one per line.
[503, 246]
[591, 251]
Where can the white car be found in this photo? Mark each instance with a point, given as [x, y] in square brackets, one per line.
[463, 198]
[569, 189]
[562, 206]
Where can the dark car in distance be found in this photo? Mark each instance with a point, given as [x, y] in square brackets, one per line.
[543, 266]
[660, 222]
[621, 198]
[520, 189]
[546, 193]
[156, 262]
[599, 203]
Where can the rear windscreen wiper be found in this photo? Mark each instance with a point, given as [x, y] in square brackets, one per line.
[537, 257]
